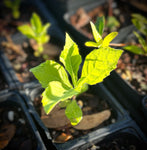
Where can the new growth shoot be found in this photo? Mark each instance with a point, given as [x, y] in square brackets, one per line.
[37, 31]
[97, 65]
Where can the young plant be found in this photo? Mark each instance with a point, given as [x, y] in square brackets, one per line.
[36, 31]
[140, 23]
[97, 30]
[14, 6]
[54, 76]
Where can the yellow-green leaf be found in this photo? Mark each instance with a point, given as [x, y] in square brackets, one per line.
[94, 44]
[26, 30]
[71, 58]
[73, 112]
[109, 38]
[98, 64]
[50, 71]
[36, 23]
[54, 93]
[96, 35]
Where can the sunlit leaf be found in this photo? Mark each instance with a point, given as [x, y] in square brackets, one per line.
[71, 58]
[50, 71]
[96, 35]
[109, 38]
[26, 30]
[36, 23]
[54, 93]
[98, 64]
[93, 44]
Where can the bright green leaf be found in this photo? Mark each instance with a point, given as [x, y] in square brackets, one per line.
[109, 38]
[26, 30]
[71, 58]
[54, 93]
[50, 71]
[112, 23]
[44, 39]
[73, 113]
[96, 35]
[140, 18]
[93, 44]
[36, 23]
[100, 22]
[134, 49]
[98, 64]
[45, 28]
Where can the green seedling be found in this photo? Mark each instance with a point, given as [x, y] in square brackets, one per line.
[36, 31]
[140, 23]
[112, 23]
[54, 77]
[14, 6]
[98, 29]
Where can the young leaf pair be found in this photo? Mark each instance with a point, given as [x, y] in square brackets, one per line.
[97, 31]
[54, 77]
[36, 31]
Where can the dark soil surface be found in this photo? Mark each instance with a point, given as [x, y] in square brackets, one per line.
[133, 69]
[120, 141]
[93, 107]
[14, 130]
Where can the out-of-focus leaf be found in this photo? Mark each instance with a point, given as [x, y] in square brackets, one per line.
[134, 49]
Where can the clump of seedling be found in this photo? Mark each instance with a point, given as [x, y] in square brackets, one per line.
[37, 31]
[54, 77]
[14, 6]
[140, 23]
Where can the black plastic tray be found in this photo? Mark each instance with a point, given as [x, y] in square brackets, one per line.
[13, 100]
[130, 133]
[101, 91]
[6, 74]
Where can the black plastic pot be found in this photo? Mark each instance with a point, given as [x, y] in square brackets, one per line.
[124, 93]
[122, 117]
[144, 106]
[43, 131]
[5, 76]
[126, 138]
[56, 37]
[14, 111]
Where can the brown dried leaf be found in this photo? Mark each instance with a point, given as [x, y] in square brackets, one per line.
[94, 120]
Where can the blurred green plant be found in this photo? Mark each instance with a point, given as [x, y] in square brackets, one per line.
[14, 6]
[140, 23]
[112, 23]
[36, 31]
[54, 76]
